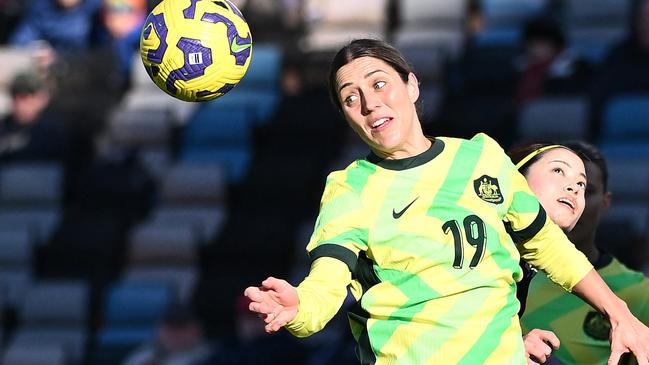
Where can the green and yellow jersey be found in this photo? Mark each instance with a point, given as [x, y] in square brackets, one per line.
[430, 247]
[584, 332]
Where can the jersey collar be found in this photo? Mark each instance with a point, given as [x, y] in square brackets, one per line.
[409, 162]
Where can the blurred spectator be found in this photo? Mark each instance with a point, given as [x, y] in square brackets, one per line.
[34, 130]
[274, 21]
[63, 24]
[251, 345]
[626, 67]
[123, 20]
[179, 341]
[547, 66]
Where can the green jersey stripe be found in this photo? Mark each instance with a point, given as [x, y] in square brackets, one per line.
[488, 342]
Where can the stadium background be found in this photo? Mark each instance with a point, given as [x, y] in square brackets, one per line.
[160, 202]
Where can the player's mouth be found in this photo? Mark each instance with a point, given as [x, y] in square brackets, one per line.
[380, 124]
[568, 203]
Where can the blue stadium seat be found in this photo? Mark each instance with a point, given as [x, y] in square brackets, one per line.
[35, 354]
[500, 37]
[55, 312]
[510, 13]
[130, 305]
[265, 68]
[596, 12]
[594, 43]
[194, 183]
[236, 160]
[31, 184]
[553, 119]
[127, 337]
[629, 178]
[131, 311]
[182, 279]
[626, 150]
[215, 126]
[625, 119]
[635, 214]
[261, 102]
[206, 220]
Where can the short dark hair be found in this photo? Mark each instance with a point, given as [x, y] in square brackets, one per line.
[366, 48]
[518, 153]
[593, 154]
[544, 28]
[26, 83]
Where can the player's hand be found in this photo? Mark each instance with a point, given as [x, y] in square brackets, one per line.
[539, 345]
[628, 334]
[276, 301]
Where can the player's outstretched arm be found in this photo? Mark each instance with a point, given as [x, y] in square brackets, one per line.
[539, 345]
[276, 301]
[628, 334]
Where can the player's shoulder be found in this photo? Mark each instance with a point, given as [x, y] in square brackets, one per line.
[487, 142]
[346, 176]
[480, 142]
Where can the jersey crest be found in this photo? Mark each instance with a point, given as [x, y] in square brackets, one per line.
[488, 189]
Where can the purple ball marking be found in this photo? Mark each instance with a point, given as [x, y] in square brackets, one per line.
[222, 90]
[147, 32]
[204, 93]
[190, 12]
[235, 10]
[157, 23]
[225, 88]
[233, 36]
[189, 71]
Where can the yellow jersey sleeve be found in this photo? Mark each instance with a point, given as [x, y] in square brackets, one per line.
[551, 251]
[321, 295]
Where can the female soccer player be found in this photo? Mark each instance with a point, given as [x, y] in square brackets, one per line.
[584, 332]
[557, 176]
[427, 233]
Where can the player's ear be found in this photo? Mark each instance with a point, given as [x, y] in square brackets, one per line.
[606, 203]
[413, 87]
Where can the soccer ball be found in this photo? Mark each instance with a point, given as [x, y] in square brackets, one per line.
[196, 50]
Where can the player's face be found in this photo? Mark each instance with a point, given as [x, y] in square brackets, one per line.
[379, 106]
[597, 202]
[558, 179]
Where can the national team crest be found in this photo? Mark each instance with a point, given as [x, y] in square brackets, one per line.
[488, 189]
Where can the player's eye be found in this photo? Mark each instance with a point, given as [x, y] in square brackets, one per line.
[350, 99]
[379, 85]
[582, 185]
[557, 170]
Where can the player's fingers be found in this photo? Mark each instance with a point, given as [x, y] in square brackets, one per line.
[253, 293]
[614, 358]
[551, 339]
[532, 362]
[540, 353]
[285, 316]
[261, 307]
[272, 283]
